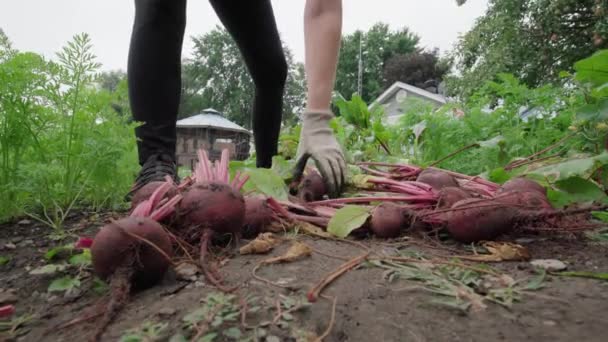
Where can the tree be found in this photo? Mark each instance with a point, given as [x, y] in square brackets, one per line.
[109, 80]
[6, 47]
[377, 45]
[422, 70]
[217, 77]
[533, 39]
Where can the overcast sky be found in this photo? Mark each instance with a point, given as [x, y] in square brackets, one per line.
[44, 26]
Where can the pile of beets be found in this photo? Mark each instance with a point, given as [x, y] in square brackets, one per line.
[168, 219]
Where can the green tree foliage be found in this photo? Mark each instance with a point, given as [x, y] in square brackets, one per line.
[110, 80]
[217, 77]
[533, 39]
[379, 44]
[420, 69]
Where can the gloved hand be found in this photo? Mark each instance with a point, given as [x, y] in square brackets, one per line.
[317, 140]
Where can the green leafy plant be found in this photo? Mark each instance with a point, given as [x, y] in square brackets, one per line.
[61, 137]
[147, 332]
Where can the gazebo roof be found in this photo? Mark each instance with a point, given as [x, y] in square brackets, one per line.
[210, 118]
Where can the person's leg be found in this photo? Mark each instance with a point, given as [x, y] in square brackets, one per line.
[252, 25]
[322, 32]
[154, 75]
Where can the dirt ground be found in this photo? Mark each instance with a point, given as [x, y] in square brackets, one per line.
[371, 303]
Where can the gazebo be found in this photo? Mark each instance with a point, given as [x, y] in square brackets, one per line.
[211, 131]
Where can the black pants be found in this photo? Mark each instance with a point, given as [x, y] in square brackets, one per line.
[154, 70]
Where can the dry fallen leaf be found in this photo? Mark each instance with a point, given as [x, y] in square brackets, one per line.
[311, 229]
[500, 251]
[295, 252]
[263, 243]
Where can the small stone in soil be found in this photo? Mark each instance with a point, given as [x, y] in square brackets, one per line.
[17, 239]
[550, 323]
[10, 246]
[549, 264]
[272, 338]
[166, 312]
[199, 284]
[51, 299]
[24, 222]
[27, 243]
[8, 297]
[186, 271]
[261, 332]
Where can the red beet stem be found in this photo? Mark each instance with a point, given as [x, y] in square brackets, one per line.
[421, 198]
[409, 187]
[477, 179]
[318, 221]
[241, 183]
[144, 208]
[325, 211]
[375, 172]
[167, 209]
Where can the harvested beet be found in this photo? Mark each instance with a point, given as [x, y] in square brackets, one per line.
[437, 179]
[526, 199]
[258, 215]
[448, 196]
[114, 244]
[388, 220]
[523, 184]
[213, 205]
[472, 220]
[133, 252]
[312, 187]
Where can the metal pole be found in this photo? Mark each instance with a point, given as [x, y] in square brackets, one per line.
[360, 75]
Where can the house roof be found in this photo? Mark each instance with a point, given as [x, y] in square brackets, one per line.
[410, 88]
[210, 118]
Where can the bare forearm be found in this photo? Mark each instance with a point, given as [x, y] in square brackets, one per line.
[322, 31]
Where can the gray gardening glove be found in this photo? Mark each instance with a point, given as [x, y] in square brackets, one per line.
[317, 140]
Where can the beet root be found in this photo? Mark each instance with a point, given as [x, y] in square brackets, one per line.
[146, 191]
[437, 179]
[213, 205]
[526, 199]
[388, 220]
[522, 184]
[312, 187]
[473, 220]
[258, 215]
[448, 196]
[120, 254]
[115, 243]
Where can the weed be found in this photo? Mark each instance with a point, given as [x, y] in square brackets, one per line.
[461, 287]
[147, 332]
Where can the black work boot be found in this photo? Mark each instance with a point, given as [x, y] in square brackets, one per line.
[156, 168]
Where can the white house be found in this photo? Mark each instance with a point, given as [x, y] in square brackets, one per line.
[393, 100]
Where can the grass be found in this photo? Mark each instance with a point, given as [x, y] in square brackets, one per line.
[461, 286]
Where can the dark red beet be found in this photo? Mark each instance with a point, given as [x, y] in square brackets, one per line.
[388, 220]
[523, 184]
[146, 191]
[112, 247]
[213, 205]
[484, 220]
[437, 179]
[527, 199]
[450, 195]
[312, 187]
[120, 257]
[258, 215]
